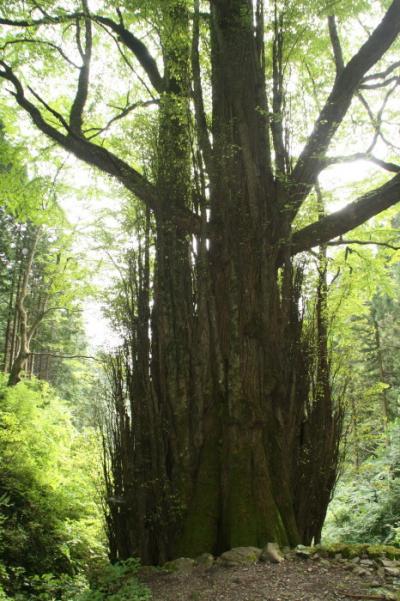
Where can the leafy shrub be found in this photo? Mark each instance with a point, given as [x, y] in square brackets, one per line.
[366, 506]
[50, 526]
[117, 582]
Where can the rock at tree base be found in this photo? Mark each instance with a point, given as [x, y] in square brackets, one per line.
[271, 553]
[239, 556]
[182, 564]
[304, 552]
[205, 560]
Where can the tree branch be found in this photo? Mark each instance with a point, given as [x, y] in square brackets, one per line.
[49, 354]
[43, 42]
[124, 112]
[282, 161]
[200, 114]
[78, 105]
[311, 159]
[55, 113]
[382, 74]
[362, 156]
[137, 47]
[353, 215]
[100, 157]
[336, 46]
[83, 149]
[129, 40]
[382, 84]
[343, 241]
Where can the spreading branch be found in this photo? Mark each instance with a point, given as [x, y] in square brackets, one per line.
[311, 159]
[82, 148]
[99, 157]
[382, 74]
[137, 47]
[128, 39]
[354, 214]
[382, 84]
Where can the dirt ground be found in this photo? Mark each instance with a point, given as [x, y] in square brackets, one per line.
[292, 580]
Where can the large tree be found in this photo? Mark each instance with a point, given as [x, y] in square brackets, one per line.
[224, 443]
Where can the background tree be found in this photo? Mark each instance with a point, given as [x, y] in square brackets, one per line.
[42, 274]
[223, 384]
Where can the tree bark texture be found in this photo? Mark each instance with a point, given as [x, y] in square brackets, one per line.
[237, 445]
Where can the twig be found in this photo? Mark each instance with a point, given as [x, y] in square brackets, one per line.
[45, 42]
[341, 241]
[124, 112]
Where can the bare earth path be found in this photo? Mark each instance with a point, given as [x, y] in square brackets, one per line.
[291, 580]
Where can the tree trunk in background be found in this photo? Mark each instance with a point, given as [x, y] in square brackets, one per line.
[24, 331]
[9, 327]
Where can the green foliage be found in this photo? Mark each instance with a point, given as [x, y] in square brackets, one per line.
[117, 582]
[366, 507]
[50, 522]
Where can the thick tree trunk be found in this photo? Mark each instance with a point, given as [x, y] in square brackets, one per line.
[228, 390]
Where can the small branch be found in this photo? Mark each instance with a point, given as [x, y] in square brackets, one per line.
[336, 46]
[37, 22]
[373, 122]
[363, 156]
[341, 241]
[124, 112]
[49, 354]
[55, 113]
[382, 74]
[377, 122]
[383, 84]
[44, 42]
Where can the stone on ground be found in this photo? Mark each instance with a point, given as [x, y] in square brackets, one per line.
[239, 556]
[205, 560]
[271, 553]
[182, 564]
